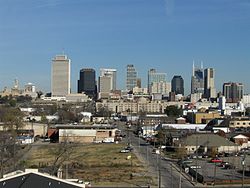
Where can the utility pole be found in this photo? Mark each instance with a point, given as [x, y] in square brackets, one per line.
[172, 185]
[243, 169]
[196, 162]
[214, 172]
[159, 168]
[1, 154]
[180, 177]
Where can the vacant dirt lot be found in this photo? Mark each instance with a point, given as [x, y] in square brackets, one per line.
[100, 164]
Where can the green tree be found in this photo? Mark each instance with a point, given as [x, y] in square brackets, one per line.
[248, 111]
[173, 111]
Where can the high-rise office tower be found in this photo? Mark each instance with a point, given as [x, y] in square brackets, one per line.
[209, 87]
[156, 77]
[87, 83]
[60, 76]
[131, 77]
[233, 92]
[160, 88]
[104, 86]
[177, 85]
[110, 73]
[197, 80]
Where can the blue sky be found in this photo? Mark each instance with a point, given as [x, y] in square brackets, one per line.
[163, 34]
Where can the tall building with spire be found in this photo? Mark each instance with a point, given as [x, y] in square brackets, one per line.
[131, 81]
[60, 76]
[197, 80]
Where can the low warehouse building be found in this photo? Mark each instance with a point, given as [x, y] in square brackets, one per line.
[86, 134]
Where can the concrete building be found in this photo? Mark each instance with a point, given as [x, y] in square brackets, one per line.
[195, 97]
[246, 100]
[86, 134]
[87, 83]
[30, 90]
[104, 86]
[60, 76]
[161, 87]
[239, 122]
[77, 97]
[138, 82]
[131, 81]
[177, 85]
[109, 73]
[202, 117]
[209, 86]
[154, 76]
[233, 92]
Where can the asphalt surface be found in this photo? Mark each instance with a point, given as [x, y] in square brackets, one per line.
[165, 171]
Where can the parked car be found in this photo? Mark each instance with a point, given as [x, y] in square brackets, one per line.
[216, 160]
[129, 148]
[229, 166]
[124, 151]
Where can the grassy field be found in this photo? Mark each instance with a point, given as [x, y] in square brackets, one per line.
[100, 164]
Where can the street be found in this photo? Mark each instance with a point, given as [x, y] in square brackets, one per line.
[167, 173]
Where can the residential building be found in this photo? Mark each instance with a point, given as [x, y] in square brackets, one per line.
[87, 82]
[177, 85]
[131, 81]
[207, 143]
[233, 92]
[197, 80]
[202, 117]
[155, 77]
[109, 73]
[33, 178]
[60, 78]
[209, 86]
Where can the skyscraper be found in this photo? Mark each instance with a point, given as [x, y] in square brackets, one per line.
[131, 81]
[177, 85]
[209, 87]
[156, 77]
[110, 73]
[233, 92]
[60, 76]
[87, 82]
[197, 80]
[104, 86]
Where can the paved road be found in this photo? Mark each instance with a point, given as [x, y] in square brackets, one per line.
[168, 175]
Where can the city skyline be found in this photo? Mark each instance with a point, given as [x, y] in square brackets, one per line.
[164, 35]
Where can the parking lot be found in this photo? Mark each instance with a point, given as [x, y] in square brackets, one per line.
[228, 171]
